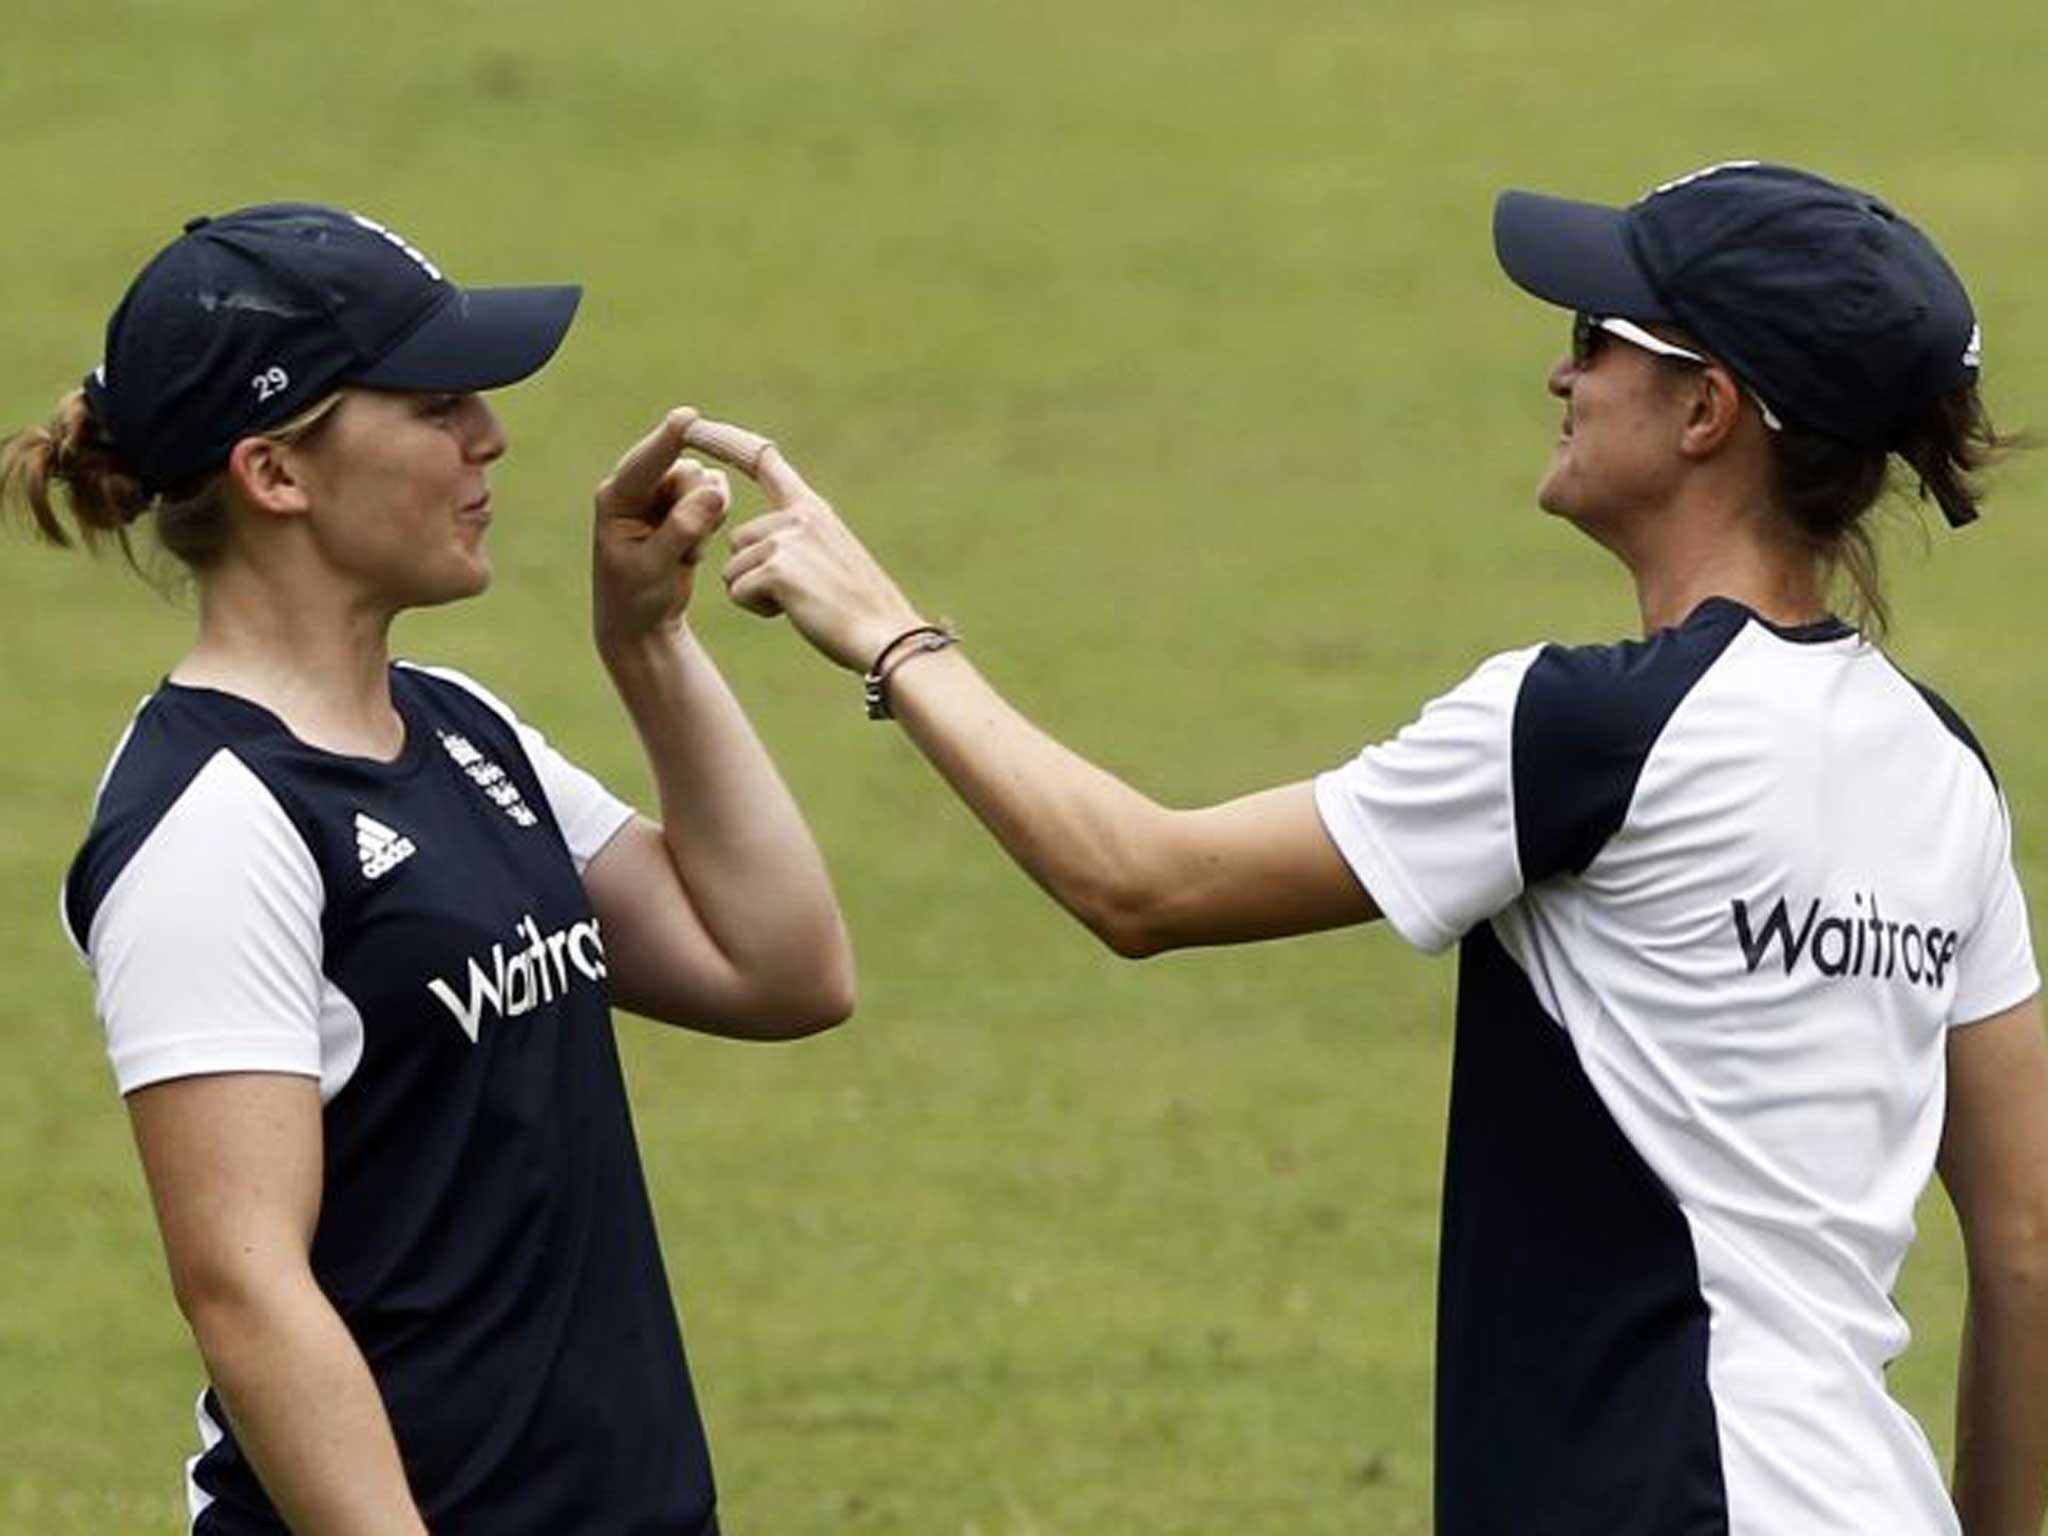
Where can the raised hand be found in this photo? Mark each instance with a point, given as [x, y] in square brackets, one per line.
[798, 558]
[655, 514]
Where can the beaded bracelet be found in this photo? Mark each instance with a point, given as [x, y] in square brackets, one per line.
[915, 641]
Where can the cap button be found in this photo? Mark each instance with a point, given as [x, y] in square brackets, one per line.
[198, 221]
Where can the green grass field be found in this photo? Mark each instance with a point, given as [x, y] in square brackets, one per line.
[1161, 346]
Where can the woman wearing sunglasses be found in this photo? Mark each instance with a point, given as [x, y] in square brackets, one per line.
[1743, 957]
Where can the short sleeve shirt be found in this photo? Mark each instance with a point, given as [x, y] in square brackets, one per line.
[1719, 895]
[414, 935]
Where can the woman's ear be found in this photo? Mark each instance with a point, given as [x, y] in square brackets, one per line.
[270, 477]
[1716, 407]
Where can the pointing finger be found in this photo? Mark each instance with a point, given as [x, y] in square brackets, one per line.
[751, 454]
[733, 445]
[778, 477]
[639, 473]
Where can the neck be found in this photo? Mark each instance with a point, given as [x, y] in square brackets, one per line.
[1691, 554]
[315, 659]
[1665, 594]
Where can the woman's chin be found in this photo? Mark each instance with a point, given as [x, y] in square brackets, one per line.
[468, 577]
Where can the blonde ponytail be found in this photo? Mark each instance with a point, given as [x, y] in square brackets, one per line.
[73, 450]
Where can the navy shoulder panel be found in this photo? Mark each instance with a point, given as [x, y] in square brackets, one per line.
[174, 735]
[1585, 721]
[1955, 725]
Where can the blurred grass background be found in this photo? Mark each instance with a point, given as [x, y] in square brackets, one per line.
[1162, 347]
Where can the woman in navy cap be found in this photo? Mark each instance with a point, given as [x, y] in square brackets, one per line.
[355, 927]
[1743, 955]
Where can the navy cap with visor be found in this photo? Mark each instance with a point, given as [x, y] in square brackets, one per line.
[246, 319]
[1838, 314]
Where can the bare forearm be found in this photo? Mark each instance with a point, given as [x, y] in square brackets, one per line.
[306, 1411]
[1079, 831]
[1143, 877]
[2001, 1483]
[739, 844]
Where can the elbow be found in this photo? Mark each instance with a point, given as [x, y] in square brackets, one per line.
[1131, 921]
[795, 1012]
[1131, 889]
[217, 1317]
[225, 1307]
[830, 997]
[1126, 938]
[212, 1295]
[823, 1007]
[819, 998]
[800, 1023]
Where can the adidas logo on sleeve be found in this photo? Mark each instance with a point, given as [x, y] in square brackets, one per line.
[379, 848]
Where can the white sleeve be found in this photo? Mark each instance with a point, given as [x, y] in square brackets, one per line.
[1995, 966]
[1427, 820]
[206, 951]
[589, 814]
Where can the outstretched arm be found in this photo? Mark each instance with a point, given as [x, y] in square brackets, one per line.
[722, 917]
[1141, 876]
[1994, 1162]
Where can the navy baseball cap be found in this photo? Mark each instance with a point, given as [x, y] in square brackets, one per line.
[246, 319]
[1837, 313]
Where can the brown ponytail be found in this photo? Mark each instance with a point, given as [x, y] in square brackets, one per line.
[74, 450]
[1948, 446]
[1825, 487]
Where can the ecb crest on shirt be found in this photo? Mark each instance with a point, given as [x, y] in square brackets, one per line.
[488, 777]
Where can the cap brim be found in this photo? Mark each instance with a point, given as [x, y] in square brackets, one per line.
[481, 338]
[1573, 254]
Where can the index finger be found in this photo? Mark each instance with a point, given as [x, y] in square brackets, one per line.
[640, 470]
[751, 454]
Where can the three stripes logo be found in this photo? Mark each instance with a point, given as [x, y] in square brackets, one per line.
[380, 849]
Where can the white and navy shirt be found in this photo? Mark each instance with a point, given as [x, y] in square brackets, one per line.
[415, 935]
[1721, 895]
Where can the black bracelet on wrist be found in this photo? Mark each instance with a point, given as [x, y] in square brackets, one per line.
[915, 641]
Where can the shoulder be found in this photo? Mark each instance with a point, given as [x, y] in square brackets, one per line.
[1950, 721]
[198, 900]
[188, 768]
[1586, 720]
[1626, 691]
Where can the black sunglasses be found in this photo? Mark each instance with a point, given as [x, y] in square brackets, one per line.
[1586, 337]
[1590, 332]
